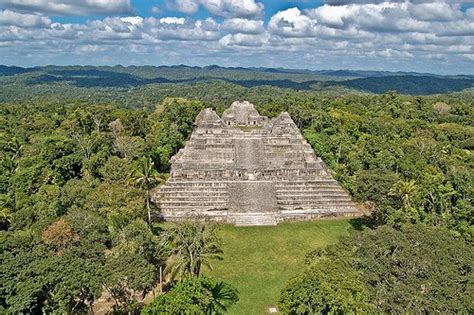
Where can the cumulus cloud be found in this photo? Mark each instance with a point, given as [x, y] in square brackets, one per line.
[292, 23]
[344, 2]
[243, 40]
[180, 29]
[394, 17]
[388, 30]
[133, 20]
[239, 25]
[184, 6]
[12, 18]
[70, 7]
[172, 20]
[405, 35]
[222, 8]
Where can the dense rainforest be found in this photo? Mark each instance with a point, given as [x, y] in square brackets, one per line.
[80, 79]
[78, 164]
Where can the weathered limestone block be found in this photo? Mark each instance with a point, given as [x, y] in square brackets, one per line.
[242, 114]
[252, 196]
[249, 170]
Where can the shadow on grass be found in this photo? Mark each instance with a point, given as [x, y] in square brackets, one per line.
[362, 223]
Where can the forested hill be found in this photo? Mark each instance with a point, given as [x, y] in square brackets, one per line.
[134, 76]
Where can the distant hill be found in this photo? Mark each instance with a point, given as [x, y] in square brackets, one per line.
[6, 70]
[411, 84]
[133, 76]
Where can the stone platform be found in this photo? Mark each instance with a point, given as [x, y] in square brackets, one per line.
[247, 169]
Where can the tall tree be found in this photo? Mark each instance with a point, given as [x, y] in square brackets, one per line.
[147, 177]
[416, 269]
[194, 296]
[222, 294]
[191, 244]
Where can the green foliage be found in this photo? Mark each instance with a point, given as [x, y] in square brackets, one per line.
[417, 269]
[191, 245]
[170, 124]
[146, 177]
[129, 274]
[73, 197]
[91, 156]
[38, 277]
[398, 154]
[326, 288]
[194, 296]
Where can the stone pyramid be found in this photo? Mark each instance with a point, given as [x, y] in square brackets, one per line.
[247, 169]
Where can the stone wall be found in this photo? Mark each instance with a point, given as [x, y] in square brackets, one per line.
[259, 175]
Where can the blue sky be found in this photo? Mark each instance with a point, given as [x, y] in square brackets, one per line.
[271, 7]
[395, 35]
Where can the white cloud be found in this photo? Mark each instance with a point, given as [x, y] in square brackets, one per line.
[155, 10]
[395, 16]
[173, 28]
[244, 40]
[239, 25]
[184, 6]
[70, 7]
[12, 18]
[344, 2]
[222, 8]
[134, 20]
[87, 49]
[469, 56]
[435, 11]
[292, 23]
[393, 35]
[172, 20]
[332, 16]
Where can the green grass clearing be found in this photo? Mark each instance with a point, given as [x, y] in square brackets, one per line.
[258, 261]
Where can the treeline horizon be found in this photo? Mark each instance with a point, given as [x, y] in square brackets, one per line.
[344, 81]
[342, 71]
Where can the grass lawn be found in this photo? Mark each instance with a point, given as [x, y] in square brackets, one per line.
[258, 261]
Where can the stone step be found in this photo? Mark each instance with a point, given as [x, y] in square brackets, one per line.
[309, 187]
[307, 182]
[191, 208]
[194, 202]
[184, 184]
[195, 187]
[171, 197]
[197, 194]
[302, 187]
[310, 192]
[315, 201]
[335, 207]
[193, 190]
[311, 203]
[314, 197]
[187, 183]
[310, 195]
[167, 197]
[254, 219]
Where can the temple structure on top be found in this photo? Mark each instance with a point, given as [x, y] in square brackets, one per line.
[247, 169]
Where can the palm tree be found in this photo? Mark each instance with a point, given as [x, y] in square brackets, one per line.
[405, 191]
[191, 245]
[223, 295]
[146, 177]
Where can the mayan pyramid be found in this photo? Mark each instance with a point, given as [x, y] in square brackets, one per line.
[248, 169]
